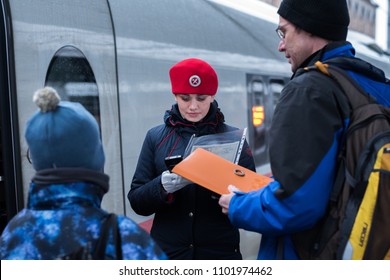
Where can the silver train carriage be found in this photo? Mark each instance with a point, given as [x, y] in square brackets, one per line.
[113, 56]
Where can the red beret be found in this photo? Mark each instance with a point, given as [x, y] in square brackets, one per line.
[193, 76]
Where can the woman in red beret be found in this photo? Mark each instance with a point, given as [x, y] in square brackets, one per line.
[188, 222]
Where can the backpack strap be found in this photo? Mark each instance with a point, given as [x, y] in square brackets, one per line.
[357, 97]
[100, 250]
[117, 239]
[346, 82]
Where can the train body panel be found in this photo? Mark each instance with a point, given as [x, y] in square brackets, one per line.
[40, 30]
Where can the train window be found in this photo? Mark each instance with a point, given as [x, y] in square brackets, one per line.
[264, 93]
[257, 87]
[276, 87]
[71, 75]
[258, 98]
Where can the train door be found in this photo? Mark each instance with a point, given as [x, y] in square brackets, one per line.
[263, 95]
[11, 191]
[70, 46]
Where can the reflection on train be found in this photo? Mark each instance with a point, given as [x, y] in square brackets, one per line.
[114, 57]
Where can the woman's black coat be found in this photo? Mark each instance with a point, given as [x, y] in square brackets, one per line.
[189, 223]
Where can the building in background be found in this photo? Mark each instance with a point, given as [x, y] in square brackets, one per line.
[363, 16]
[368, 17]
[382, 29]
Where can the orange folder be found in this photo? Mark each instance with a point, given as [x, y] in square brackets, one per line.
[216, 173]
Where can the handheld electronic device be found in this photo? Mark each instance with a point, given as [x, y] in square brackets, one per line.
[171, 161]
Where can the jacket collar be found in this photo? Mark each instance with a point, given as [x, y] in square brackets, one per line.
[66, 187]
[210, 124]
[331, 50]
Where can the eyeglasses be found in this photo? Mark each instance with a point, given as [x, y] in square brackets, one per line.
[280, 32]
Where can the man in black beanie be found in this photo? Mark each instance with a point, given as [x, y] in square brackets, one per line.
[326, 19]
[306, 130]
[316, 22]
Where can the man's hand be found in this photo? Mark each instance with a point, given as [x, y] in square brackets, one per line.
[224, 200]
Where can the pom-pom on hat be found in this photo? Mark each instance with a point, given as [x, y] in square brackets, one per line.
[193, 76]
[328, 19]
[63, 134]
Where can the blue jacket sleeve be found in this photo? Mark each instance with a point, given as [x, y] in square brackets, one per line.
[304, 139]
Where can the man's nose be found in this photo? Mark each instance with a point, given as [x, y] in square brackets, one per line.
[281, 46]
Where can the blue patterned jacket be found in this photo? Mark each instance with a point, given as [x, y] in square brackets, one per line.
[61, 217]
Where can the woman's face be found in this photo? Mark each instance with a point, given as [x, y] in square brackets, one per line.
[194, 107]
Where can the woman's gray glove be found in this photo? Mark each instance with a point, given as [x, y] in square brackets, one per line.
[173, 182]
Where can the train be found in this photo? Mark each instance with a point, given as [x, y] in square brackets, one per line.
[113, 56]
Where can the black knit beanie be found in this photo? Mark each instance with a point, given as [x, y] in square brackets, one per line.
[328, 19]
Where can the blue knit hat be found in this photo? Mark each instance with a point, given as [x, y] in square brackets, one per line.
[63, 134]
